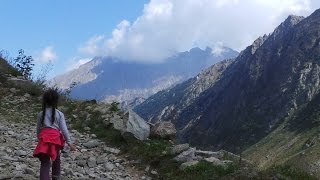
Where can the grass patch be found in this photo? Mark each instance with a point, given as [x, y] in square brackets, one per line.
[289, 172]
[6, 68]
[202, 171]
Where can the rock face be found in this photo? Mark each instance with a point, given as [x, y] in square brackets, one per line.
[248, 97]
[107, 78]
[137, 126]
[165, 130]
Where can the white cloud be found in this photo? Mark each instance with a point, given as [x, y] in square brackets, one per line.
[46, 55]
[94, 46]
[169, 26]
[76, 62]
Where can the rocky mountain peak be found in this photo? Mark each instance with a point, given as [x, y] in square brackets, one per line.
[284, 27]
[292, 20]
[258, 42]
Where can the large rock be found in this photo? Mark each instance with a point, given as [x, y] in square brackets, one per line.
[186, 156]
[178, 148]
[215, 161]
[119, 123]
[164, 130]
[133, 124]
[208, 154]
[137, 126]
[91, 144]
[185, 165]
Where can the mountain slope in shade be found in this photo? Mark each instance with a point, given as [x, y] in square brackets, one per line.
[269, 81]
[107, 78]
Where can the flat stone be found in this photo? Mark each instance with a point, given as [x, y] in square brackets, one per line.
[82, 163]
[109, 166]
[215, 161]
[91, 144]
[188, 155]
[21, 153]
[112, 150]
[92, 162]
[178, 148]
[183, 166]
[29, 171]
[102, 160]
[22, 137]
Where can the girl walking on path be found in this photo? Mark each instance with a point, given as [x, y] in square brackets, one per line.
[52, 133]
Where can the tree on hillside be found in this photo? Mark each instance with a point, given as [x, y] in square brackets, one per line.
[24, 64]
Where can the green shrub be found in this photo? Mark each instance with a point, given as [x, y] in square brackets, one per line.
[114, 106]
[24, 64]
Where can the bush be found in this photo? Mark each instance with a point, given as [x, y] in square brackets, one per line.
[24, 64]
[114, 106]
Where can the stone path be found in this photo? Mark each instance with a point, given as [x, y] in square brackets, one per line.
[93, 160]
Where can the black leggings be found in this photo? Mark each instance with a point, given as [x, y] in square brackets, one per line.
[45, 167]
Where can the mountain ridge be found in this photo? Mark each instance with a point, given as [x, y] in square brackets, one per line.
[255, 93]
[110, 78]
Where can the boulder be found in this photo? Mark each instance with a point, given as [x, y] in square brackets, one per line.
[215, 161]
[164, 130]
[137, 126]
[208, 154]
[177, 149]
[186, 156]
[118, 123]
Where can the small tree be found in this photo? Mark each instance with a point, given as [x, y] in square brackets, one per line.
[24, 64]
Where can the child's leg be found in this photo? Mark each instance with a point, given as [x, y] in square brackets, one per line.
[45, 167]
[56, 168]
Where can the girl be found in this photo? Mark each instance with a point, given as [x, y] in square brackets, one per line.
[52, 134]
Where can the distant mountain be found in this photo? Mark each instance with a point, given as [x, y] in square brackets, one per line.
[236, 103]
[108, 78]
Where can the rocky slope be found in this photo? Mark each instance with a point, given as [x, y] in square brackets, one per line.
[93, 159]
[94, 128]
[269, 81]
[107, 78]
[96, 157]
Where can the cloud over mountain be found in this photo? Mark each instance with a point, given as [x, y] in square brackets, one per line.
[167, 26]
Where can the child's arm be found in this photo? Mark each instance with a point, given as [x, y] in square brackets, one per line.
[64, 129]
[39, 124]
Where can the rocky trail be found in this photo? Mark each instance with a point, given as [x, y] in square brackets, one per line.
[93, 159]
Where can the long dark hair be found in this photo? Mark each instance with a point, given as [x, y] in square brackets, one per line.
[50, 99]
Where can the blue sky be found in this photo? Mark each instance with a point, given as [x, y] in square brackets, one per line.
[71, 32]
[63, 24]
